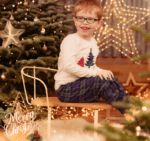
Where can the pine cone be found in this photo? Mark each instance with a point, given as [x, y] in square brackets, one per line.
[36, 132]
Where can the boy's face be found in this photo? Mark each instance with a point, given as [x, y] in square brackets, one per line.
[85, 29]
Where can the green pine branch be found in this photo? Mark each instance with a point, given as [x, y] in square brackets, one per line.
[145, 56]
[142, 31]
[126, 131]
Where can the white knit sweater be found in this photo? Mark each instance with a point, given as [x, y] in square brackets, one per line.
[76, 59]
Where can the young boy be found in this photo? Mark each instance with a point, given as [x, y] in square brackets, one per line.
[78, 78]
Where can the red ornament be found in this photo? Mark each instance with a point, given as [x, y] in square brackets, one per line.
[38, 136]
[81, 62]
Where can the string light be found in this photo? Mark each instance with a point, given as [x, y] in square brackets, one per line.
[138, 129]
[71, 112]
[123, 39]
[144, 108]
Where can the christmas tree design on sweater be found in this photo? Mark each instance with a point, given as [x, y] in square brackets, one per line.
[90, 59]
[81, 62]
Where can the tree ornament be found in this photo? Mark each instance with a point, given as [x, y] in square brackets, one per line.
[36, 132]
[34, 136]
[11, 18]
[138, 129]
[25, 3]
[43, 30]
[10, 35]
[3, 76]
[36, 19]
[44, 47]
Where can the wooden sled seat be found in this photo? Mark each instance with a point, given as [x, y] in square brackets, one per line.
[54, 102]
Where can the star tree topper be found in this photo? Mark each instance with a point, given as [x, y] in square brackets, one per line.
[10, 35]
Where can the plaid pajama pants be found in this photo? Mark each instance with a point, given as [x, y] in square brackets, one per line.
[92, 89]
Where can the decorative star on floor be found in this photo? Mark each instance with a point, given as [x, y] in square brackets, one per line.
[115, 31]
[133, 87]
[10, 35]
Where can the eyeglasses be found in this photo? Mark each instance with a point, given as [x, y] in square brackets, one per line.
[89, 20]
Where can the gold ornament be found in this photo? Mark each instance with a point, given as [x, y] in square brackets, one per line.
[36, 19]
[11, 18]
[10, 35]
[3, 76]
[43, 30]
[44, 47]
[25, 3]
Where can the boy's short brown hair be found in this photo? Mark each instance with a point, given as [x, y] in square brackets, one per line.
[89, 6]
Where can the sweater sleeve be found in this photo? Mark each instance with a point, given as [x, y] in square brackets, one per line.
[69, 51]
[97, 68]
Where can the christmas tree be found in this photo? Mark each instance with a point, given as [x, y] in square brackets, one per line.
[136, 127]
[90, 61]
[30, 35]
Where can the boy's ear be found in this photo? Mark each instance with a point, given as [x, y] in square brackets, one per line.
[74, 18]
[100, 22]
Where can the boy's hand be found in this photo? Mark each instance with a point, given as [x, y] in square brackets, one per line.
[106, 74]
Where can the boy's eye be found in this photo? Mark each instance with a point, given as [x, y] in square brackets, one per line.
[80, 18]
[90, 19]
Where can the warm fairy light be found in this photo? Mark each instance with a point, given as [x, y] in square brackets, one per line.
[71, 112]
[138, 129]
[144, 108]
[68, 7]
[148, 78]
[123, 39]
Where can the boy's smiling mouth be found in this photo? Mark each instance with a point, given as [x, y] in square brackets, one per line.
[85, 28]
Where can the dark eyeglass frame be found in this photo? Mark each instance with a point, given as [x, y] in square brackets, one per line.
[86, 19]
